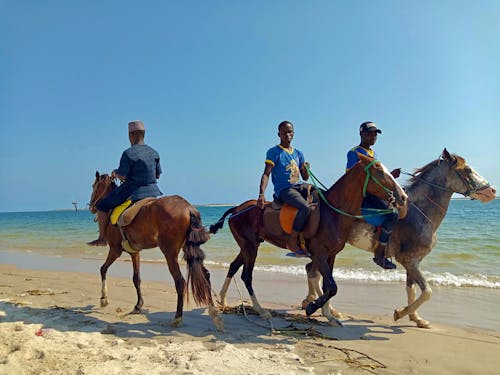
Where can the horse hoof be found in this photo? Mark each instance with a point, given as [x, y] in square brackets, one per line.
[423, 324]
[397, 315]
[266, 315]
[104, 302]
[136, 310]
[305, 302]
[176, 322]
[310, 308]
[216, 318]
[333, 322]
[218, 323]
[336, 314]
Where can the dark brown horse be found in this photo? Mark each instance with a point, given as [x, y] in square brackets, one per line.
[171, 224]
[429, 192]
[342, 202]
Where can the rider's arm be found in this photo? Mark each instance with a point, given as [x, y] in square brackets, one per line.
[303, 171]
[264, 180]
[115, 174]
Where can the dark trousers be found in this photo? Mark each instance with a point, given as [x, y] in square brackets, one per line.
[116, 197]
[294, 196]
[372, 201]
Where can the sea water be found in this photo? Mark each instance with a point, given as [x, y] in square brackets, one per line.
[467, 253]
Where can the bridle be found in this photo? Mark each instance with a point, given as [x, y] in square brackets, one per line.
[470, 185]
[94, 200]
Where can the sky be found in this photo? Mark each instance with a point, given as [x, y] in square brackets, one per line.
[211, 80]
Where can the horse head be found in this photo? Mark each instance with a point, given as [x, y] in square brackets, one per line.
[464, 180]
[102, 185]
[380, 182]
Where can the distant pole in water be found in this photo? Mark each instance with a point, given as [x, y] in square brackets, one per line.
[75, 204]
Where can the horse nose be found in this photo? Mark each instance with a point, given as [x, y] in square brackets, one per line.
[494, 191]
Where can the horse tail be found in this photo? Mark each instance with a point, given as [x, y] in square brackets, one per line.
[198, 275]
[219, 224]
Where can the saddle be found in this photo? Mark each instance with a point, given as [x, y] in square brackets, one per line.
[278, 217]
[124, 214]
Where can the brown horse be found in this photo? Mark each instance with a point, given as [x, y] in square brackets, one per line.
[337, 214]
[413, 237]
[171, 224]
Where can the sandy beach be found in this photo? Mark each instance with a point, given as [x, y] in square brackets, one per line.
[51, 323]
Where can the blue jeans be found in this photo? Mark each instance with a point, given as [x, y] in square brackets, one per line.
[389, 220]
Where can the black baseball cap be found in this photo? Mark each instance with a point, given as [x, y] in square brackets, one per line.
[369, 126]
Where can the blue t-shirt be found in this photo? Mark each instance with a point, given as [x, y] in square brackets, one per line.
[140, 164]
[352, 156]
[286, 167]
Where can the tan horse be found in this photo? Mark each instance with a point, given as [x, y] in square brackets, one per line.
[171, 224]
[337, 214]
[413, 237]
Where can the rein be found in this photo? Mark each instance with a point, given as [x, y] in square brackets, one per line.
[379, 212]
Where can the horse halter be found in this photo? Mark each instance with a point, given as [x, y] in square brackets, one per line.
[390, 194]
[94, 200]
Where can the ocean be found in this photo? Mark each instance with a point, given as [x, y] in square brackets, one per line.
[467, 253]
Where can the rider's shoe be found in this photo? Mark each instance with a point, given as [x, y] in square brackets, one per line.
[385, 263]
[98, 242]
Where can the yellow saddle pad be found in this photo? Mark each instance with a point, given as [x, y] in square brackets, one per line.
[118, 210]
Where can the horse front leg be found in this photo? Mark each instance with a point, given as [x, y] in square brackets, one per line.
[411, 292]
[233, 268]
[314, 291]
[136, 263]
[329, 290]
[413, 275]
[113, 254]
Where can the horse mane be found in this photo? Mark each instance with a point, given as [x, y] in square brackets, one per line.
[113, 184]
[459, 163]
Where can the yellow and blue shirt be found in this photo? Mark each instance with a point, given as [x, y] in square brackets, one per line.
[286, 167]
[352, 156]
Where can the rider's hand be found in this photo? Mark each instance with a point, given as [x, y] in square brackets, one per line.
[261, 201]
[396, 172]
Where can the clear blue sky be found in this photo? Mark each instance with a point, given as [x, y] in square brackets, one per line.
[212, 79]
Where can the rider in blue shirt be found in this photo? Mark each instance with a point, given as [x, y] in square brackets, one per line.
[139, 169]
[368, 132]
[287, 165]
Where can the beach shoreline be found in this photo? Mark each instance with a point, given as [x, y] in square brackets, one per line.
[50, 322]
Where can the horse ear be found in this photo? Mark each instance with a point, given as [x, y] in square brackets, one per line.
[363, 158]
[449, 157]
[96, 175]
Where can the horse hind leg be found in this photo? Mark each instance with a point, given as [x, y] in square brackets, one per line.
[136, 263]
[180, 284]
[113, 254]
[233, 268]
